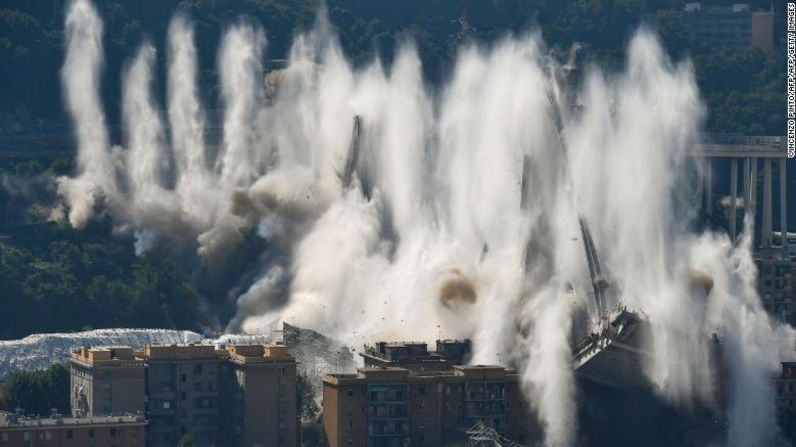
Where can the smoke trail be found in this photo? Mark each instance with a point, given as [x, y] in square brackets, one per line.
[152, 206]
[145, 142]
[240, 69]
[80, 79]
[548, 378]
[187, 124]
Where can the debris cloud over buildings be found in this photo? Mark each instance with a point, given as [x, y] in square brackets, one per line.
[391, 210]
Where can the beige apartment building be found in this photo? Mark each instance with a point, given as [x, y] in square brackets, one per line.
[59, 431]
[391, 407]
[106, 381]
[240, 396]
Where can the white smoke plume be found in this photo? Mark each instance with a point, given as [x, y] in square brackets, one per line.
[80, 78]
[151, 204]
[754, 344]
[633, 134]
[391, 210]
[240, 68]
[188, 126]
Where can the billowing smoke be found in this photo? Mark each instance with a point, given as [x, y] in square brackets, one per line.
[391, 210]
[188, 126]
[754, 344]
[239, 64]
[633, 133]
[80, 78]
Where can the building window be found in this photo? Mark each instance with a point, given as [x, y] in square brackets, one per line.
[91, 433]
[183, 378]
[166, 404]
[349, 393]
[197, 369]
[4, 437]
[350, 425]
[422, 391]
[182, 395]
[26, 436]
[281, 371]
[420, 422]
[70, 434]
[113, 432]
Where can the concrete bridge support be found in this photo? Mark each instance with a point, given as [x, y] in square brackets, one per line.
[765, 235]
[783, 202]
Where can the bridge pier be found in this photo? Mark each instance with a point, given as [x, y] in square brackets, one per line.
[783, 203]
[748, 150]
[765, 237]
[747, 166]
[709, 187]
[753, 194]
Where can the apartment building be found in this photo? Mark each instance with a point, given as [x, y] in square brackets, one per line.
[391, 406]
[786, 399]
[106, 381]
[260, 407]
[415, 356]
[182, 389]
[59, 431]
[734, 28]
[236, 396]
[776, 284]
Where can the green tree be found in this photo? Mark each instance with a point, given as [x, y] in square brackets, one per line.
[37, 392]
[187, 441]
[305, 399]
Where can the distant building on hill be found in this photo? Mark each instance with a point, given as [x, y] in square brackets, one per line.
[736, 28]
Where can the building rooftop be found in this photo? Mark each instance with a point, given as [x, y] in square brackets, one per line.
[12, 420]
[245, 354]
[125, 356]
[396, 374]
[447, 351]
[106, 356]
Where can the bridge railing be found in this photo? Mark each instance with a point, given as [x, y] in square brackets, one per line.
[772, 141]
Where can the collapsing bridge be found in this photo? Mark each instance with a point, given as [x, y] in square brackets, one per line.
[608, 353]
